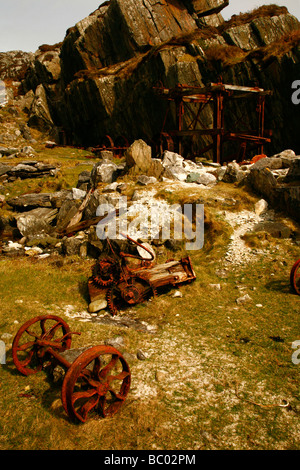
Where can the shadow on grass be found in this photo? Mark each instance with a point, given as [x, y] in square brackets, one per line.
[84, 291]
[280, 286]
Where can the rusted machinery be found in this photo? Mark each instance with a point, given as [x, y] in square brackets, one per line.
[295, 277]
[117, 146]
[192, 101]
[98, 381]
[128, 283]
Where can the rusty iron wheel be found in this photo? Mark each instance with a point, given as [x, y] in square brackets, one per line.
[97, 382]
[33, 340]
[295, 277]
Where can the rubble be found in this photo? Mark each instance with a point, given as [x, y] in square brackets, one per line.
[27, 170]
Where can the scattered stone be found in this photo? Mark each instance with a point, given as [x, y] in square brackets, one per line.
[50, 144]
[33, 251]
[160, 376]
[30, 201]
[36, 221]
[104, 172]
[6, 336]
[177, 294]
[78, 193]
[244, 300]
[12, 246]
[273, 163]
[206, 179]
[275, 229]
[111, 187]
[117, 343]
[141, 355]
[74, 246]
[145, 180]
[215, 286]
[84, 180]
[97, 305]
[261, 207]
[294, 173]
[231, 172]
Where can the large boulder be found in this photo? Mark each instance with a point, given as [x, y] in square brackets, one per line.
[36, 221]
[138, 157]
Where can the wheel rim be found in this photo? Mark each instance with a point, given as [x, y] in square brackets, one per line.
[32, 342]
[295, 277]
[98, 381]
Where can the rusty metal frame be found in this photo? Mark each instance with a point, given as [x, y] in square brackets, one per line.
[215, 94]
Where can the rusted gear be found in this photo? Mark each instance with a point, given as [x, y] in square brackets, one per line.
[295, 277]
[105, 272]
[131, 291]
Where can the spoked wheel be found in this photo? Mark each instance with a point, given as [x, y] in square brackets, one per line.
[97, 382]
[33, 340]
[130, 291]
[295, 277]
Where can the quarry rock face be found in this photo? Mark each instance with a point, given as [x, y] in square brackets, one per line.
[122, 30]
[101, 79]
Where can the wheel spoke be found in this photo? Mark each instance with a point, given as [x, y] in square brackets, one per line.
[87, 377]
[91, 397]
[31, 333]
[26, 346]
[51, 332]
[122, 376]
[97, 367]
[28, 360]
[116, 395]
[104, 372]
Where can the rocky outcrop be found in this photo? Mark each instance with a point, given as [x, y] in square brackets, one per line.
[99, 81]
[121, 30]
[14, 64]
[44, 67]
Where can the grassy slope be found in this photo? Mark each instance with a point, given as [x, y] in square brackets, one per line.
[215, 372]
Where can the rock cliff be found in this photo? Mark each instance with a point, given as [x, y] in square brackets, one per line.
[99, 81]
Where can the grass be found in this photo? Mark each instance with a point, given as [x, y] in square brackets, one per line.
[260, 12]
[216, 373]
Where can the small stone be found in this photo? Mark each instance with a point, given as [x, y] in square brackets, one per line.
[243, 300]
[145, 180]
[141, 355]
[117, 343]
[97, 305]
[78, 193]
[177, 294]
[6, 336]
[110, 188]
[215, 286]
[261, 207]
[160, 376]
